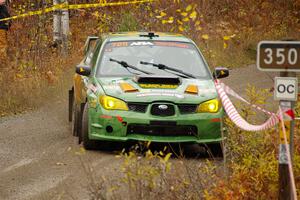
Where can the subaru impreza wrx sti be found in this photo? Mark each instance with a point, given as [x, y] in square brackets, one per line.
[145, 87]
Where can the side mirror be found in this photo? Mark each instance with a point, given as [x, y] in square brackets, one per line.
[90, 43]
[220, 72]
[83, 70]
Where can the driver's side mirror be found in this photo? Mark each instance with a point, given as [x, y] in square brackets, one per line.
[220, 72]
[83, 70]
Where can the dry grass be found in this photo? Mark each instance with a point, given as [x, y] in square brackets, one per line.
[226, 31]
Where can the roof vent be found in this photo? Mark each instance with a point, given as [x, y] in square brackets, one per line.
[150, 35]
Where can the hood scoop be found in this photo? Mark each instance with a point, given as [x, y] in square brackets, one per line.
[159, 80]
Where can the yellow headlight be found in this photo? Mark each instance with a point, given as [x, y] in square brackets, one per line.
[211, 106]
[111, 103]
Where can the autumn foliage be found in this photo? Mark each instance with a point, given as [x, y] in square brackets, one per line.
[227, 33]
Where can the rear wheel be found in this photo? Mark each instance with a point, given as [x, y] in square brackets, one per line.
[71, 98]
[87, 143]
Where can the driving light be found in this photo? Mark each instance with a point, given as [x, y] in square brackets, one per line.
[211, 106]
[111, 103]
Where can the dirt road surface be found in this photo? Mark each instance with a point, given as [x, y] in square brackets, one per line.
[40, 159]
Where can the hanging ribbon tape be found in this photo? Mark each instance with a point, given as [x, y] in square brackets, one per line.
[231, 92]
[237, 118]
[232, 113]
[65, 6]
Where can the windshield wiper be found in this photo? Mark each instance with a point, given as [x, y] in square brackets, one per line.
[126, 65]
[165, 67]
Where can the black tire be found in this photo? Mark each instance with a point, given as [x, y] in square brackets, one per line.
[215, 150]
[71, 98]
[79, 127]
[76, 119]
[87, 143]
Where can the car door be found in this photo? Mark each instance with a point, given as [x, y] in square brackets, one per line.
[80, 82]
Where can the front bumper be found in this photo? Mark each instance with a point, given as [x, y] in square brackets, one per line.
[128, 126]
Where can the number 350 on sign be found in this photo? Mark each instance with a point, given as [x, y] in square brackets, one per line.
[278, 56]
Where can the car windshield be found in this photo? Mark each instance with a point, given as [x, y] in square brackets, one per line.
[179, 55]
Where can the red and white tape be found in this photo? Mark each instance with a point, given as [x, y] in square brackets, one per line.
[232, 113]
[237, 118]
[231, 92]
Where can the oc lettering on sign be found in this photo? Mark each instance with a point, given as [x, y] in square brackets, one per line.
[281, 88]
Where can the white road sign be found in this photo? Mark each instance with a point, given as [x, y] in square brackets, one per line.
[286, 88]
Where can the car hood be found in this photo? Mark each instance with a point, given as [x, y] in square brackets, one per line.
[159, 92]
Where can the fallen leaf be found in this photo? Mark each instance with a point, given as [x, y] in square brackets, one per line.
[193, 15]
[188, 8]
[205, 37]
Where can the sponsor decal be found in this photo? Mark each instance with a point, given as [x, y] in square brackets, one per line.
[105, 116]
[206, 91]
[216, 120]
[141, 43]
[112, 87]
[158, 86]
[173, 44]
[92, 88]
[147, 43]
[119, 44]
[176, 95]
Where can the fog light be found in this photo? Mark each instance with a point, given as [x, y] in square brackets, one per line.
[109, 129]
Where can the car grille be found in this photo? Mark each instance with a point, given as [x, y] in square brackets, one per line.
[161, 130]
[187, 108]
[137, 107]
[183, 108]
[163, 110]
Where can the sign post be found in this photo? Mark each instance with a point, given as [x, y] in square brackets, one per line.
[284, 57]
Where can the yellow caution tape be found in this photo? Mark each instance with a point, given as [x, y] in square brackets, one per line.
[66, 6]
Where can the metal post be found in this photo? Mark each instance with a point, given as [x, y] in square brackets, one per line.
[65, 28]
[61, 27]
[284, 177]
[57, 38]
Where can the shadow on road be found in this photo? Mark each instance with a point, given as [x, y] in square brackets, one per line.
[178, 150]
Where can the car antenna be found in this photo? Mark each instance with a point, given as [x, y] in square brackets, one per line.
[151, 35]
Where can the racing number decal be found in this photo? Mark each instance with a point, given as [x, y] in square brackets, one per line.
[120, 44]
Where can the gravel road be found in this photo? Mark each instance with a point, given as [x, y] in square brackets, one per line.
[40, 159]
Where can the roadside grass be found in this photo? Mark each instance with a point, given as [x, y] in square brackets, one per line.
[226, 32]
[250, 171]
[150, 171]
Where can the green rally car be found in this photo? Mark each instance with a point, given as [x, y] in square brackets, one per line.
[145, 87]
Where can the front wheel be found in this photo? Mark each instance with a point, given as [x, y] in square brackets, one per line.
[75, 119]
[216, 150]
[87, 143]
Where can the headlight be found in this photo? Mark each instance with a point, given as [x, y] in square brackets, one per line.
[111, 103]
[211, 106]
